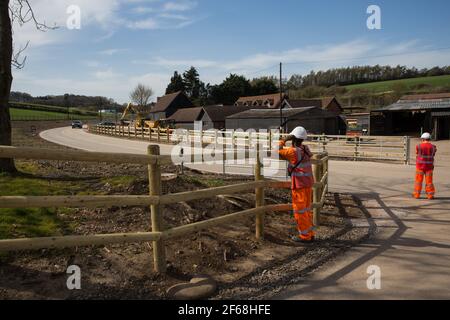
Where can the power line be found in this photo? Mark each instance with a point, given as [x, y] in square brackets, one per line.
[265, 69]
[368, 57]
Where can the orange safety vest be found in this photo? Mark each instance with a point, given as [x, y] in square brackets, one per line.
[425, 156]
[301, 171]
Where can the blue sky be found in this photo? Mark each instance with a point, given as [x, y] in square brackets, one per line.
[124, 42]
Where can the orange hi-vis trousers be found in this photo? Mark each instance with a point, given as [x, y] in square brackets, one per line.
[302, 205]
[429, 187]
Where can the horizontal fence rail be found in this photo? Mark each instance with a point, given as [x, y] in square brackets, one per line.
[377, 148]
[155, 200]
[79, 155]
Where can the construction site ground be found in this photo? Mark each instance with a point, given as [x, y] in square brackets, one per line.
[411, 246]
[229, 254]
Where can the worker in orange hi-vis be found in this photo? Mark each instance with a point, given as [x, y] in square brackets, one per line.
[300, 171]
[426, 152]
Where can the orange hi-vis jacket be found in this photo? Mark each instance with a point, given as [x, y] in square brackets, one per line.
[425, 156]
[299, 166]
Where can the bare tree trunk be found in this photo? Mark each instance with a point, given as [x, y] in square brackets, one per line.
[6, 165]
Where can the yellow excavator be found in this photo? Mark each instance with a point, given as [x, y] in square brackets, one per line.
[143, 121]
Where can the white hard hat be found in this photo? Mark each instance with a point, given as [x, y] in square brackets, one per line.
[300, 133]
[426, 136]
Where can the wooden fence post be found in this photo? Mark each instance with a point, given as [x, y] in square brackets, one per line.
[407, 148]
[216, 138]
[324, 138]
[168, 135]
[356, 148]
[316, 191]
[325, 171]
[259, 194]
[154, 182]
[158, 135]
[270, 139]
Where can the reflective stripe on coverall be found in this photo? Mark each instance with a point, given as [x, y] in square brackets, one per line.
[302, 182]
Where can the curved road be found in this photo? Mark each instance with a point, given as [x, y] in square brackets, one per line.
[412, 247]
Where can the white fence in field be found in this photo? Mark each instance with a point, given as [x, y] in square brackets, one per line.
[363, 148]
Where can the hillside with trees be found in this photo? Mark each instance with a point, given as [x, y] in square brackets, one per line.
[86, 103]
[362, 74]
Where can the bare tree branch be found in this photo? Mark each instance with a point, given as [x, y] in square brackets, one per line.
[21, 12]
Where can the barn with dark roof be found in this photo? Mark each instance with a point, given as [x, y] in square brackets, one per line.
[314, 119]
[167, 105]
[414, 114]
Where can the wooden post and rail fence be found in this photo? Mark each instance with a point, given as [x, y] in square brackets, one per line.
[155, 200]
[357, 148]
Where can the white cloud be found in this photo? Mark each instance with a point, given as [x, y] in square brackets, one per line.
[179, 6]
[104, 80]
[107, 15]
[113, 51]
[105, 83]
[106, 74]
[146, 24]
[178, 63]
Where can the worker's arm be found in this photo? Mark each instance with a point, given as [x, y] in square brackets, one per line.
[286, 153]
[283, 141]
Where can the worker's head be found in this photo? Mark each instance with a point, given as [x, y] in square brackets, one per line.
[297, 142]
[426, 137]
[299, 135]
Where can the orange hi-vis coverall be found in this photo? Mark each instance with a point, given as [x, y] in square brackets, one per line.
[424, 168]
[302, 183]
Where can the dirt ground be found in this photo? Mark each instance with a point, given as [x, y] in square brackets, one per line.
[243, 267]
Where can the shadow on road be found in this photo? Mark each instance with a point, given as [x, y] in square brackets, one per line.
[394, 239]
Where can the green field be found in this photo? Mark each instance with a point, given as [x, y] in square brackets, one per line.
[43, 107]
[409, 84]
[24, 114]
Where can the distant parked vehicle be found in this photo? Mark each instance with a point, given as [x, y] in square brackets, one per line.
[77, 124]
[107, 124]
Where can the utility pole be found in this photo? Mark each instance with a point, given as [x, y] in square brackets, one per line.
[281, 97]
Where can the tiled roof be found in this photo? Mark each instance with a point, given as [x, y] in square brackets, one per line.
[269, 100]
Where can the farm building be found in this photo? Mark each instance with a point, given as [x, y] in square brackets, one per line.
[167, 105]
[414, 114]
[212, 117]
[272, 101]
[215, 116]
[355, 109]
[314, 119]
[185, 118]
[330, 104]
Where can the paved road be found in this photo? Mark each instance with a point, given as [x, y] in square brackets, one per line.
[412, 246]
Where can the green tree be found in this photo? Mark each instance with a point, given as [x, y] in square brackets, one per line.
[264, 85]
[192, 83]
[231, 89]
[176, 84]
